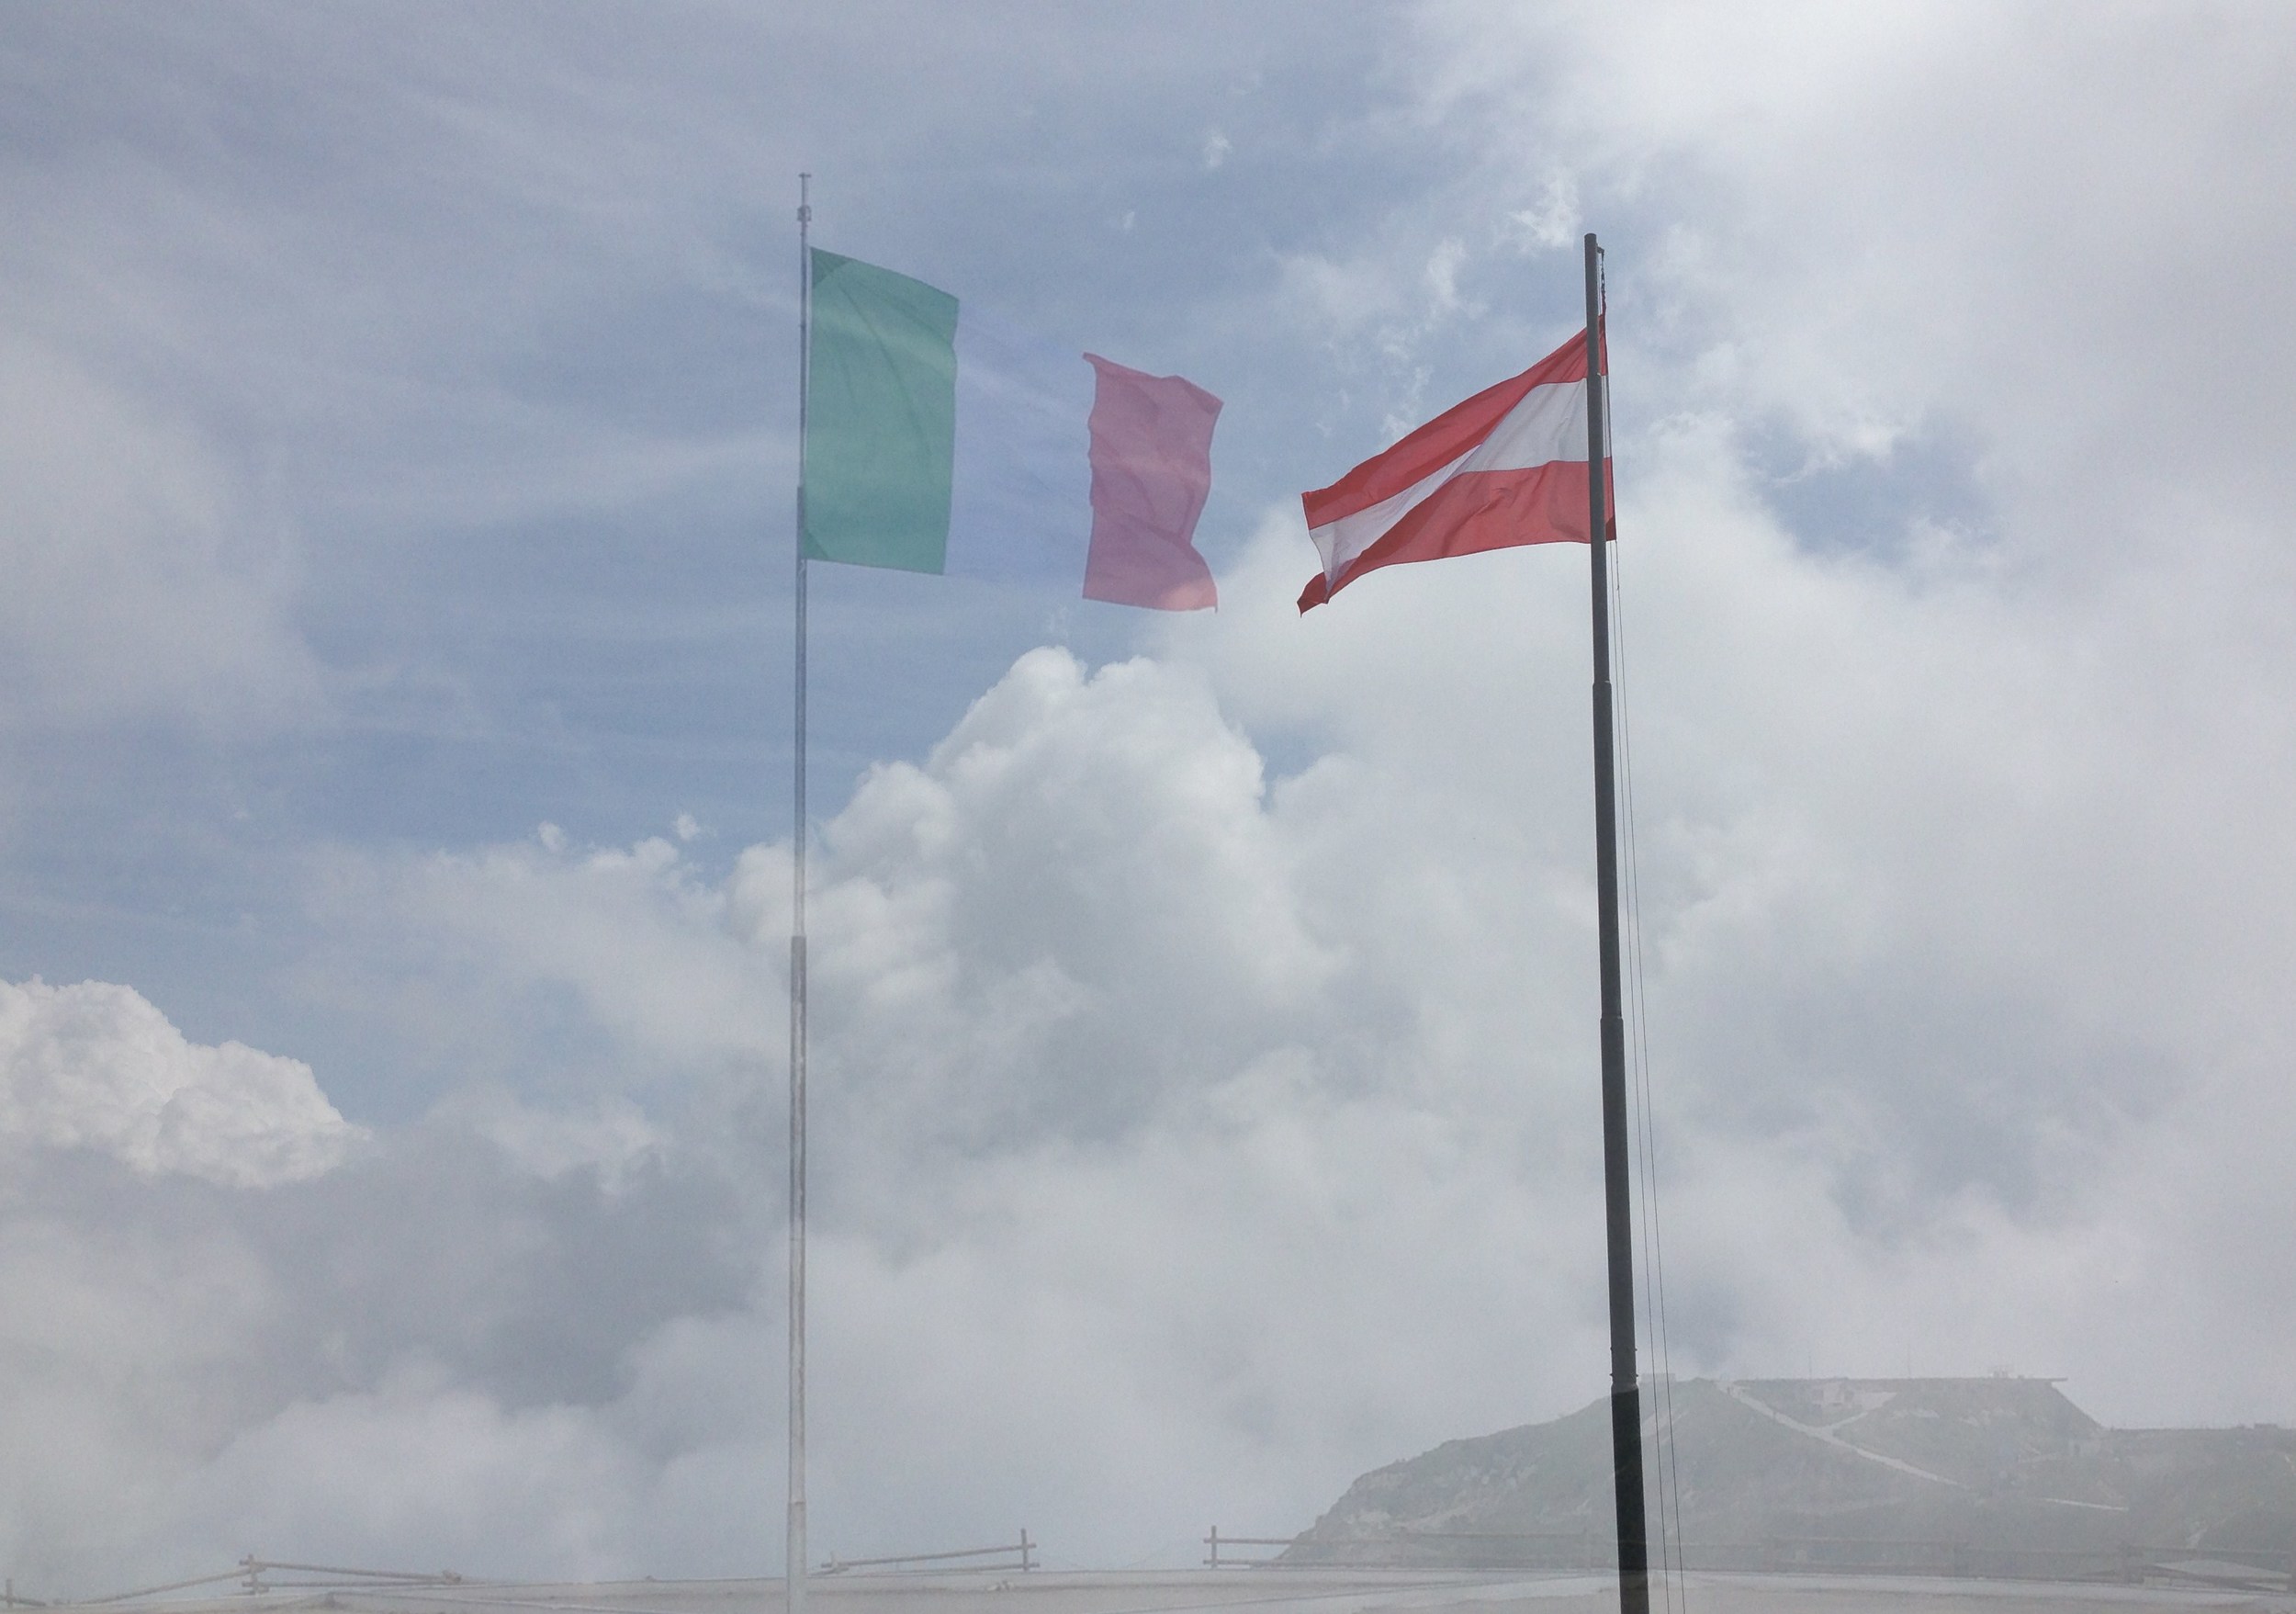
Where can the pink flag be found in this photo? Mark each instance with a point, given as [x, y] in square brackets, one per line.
[1150, 470]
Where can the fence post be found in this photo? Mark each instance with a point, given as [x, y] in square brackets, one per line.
[1213, 1541]
[1025, 1549]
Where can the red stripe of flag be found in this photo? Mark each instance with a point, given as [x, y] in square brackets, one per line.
[1441, 440]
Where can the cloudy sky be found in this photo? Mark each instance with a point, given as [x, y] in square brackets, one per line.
[397, 411]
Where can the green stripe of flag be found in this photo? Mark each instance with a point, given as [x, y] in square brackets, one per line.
[880, 417]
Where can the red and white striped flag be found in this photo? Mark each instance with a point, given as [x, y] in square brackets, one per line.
[1507, 467]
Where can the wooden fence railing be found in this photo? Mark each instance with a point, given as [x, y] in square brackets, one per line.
[1558, 1552]
[964, 1560]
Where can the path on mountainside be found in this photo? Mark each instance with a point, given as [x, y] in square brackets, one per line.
[1818, 1433]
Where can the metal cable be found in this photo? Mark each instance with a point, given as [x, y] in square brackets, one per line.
[1675, 1583]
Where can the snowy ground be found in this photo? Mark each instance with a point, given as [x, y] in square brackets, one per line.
[1264, 1592]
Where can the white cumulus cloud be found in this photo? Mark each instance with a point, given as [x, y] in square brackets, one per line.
[97, 1066]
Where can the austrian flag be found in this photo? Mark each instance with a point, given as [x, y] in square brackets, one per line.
[1507, 467]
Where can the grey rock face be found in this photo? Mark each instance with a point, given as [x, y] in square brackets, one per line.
[1991, 1475]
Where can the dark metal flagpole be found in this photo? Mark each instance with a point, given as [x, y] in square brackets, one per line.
[793, 1569]
[1625, 1396]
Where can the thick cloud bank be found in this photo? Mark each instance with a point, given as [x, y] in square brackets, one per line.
[96, 1066]
[1186, 1140]
[228, 1327]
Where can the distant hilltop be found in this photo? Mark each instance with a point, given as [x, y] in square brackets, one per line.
[1993, 1476]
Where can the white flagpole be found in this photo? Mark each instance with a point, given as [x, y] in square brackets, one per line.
[793, 1570]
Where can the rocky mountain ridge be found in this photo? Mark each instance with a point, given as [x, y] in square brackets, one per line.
[1897, 1473]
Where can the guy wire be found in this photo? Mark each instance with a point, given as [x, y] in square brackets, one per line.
[1654, 1265]
[1653, 1277]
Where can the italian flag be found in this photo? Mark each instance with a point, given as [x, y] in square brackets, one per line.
[939, 439]
[1507, 467]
